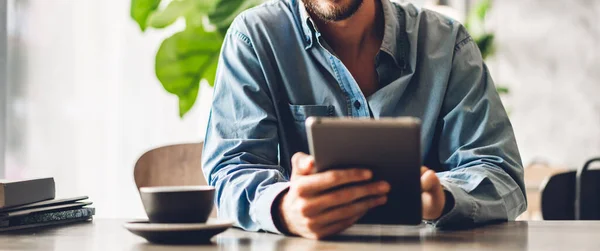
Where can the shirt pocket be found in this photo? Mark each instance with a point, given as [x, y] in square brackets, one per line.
[301, 112]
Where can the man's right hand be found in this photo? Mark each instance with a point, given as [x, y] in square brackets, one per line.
[314, 208]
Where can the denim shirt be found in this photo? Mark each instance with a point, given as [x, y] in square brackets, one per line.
[275, 71]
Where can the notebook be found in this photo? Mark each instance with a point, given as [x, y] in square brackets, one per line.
[47, 219]
[25, 212]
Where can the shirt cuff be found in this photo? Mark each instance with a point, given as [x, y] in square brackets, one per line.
[263, 205]
[461, 213]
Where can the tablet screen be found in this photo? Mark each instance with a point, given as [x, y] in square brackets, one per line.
[389, 147]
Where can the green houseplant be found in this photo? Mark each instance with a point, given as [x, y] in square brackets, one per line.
[190, 55]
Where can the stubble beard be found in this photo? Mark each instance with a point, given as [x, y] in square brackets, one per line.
[332, 10]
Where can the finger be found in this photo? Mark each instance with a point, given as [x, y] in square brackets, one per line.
[428, 211]
[321, 182]
[302, 164]
[429, 181]
[338, 227]
[355, 209]
[347, 195]
[433, 197]
[433, 205]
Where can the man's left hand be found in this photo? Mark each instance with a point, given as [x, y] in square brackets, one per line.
[433, 196]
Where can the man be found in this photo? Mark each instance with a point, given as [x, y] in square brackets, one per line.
[287, 60]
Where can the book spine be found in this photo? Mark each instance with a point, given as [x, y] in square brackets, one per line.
[51, 216]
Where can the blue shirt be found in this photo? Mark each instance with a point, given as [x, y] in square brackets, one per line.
[275, 71]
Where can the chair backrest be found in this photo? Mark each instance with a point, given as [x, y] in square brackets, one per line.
[559, 196]
[175, 165]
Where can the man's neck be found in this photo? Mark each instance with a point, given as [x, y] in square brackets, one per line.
[350, 35]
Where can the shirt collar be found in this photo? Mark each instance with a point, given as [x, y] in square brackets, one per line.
[307, 25]
[394, 41]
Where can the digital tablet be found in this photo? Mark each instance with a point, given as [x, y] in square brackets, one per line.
[389, 147]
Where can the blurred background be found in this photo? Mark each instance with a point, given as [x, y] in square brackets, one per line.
[84, 102]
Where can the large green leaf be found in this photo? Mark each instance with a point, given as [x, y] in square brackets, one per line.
[170, 14]
[486, 45]
[184, 59]
[141, 10]
[226, 10]
[177, 9]
[482, 8]
[211, 73]
[195, 19]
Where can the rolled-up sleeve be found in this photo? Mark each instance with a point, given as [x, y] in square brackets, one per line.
[240, 157]
[477, 145]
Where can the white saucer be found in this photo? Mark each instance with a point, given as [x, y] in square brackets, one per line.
[192, 233]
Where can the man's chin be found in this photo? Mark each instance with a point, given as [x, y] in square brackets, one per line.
[333, 10]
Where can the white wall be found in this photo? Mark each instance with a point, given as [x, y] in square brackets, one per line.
[85, 103]
[549, 54]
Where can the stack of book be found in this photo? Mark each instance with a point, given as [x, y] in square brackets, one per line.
[31, 203]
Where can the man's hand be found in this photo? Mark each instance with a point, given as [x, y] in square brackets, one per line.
[433, 196]
[314, 208]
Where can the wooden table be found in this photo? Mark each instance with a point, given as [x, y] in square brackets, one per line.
[104, 234]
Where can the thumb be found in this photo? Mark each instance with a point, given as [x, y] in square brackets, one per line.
[302, 164]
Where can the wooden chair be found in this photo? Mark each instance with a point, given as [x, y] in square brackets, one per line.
[572, 195]
[175, 165]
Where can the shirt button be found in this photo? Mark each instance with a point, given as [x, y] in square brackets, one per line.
[357, 104]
